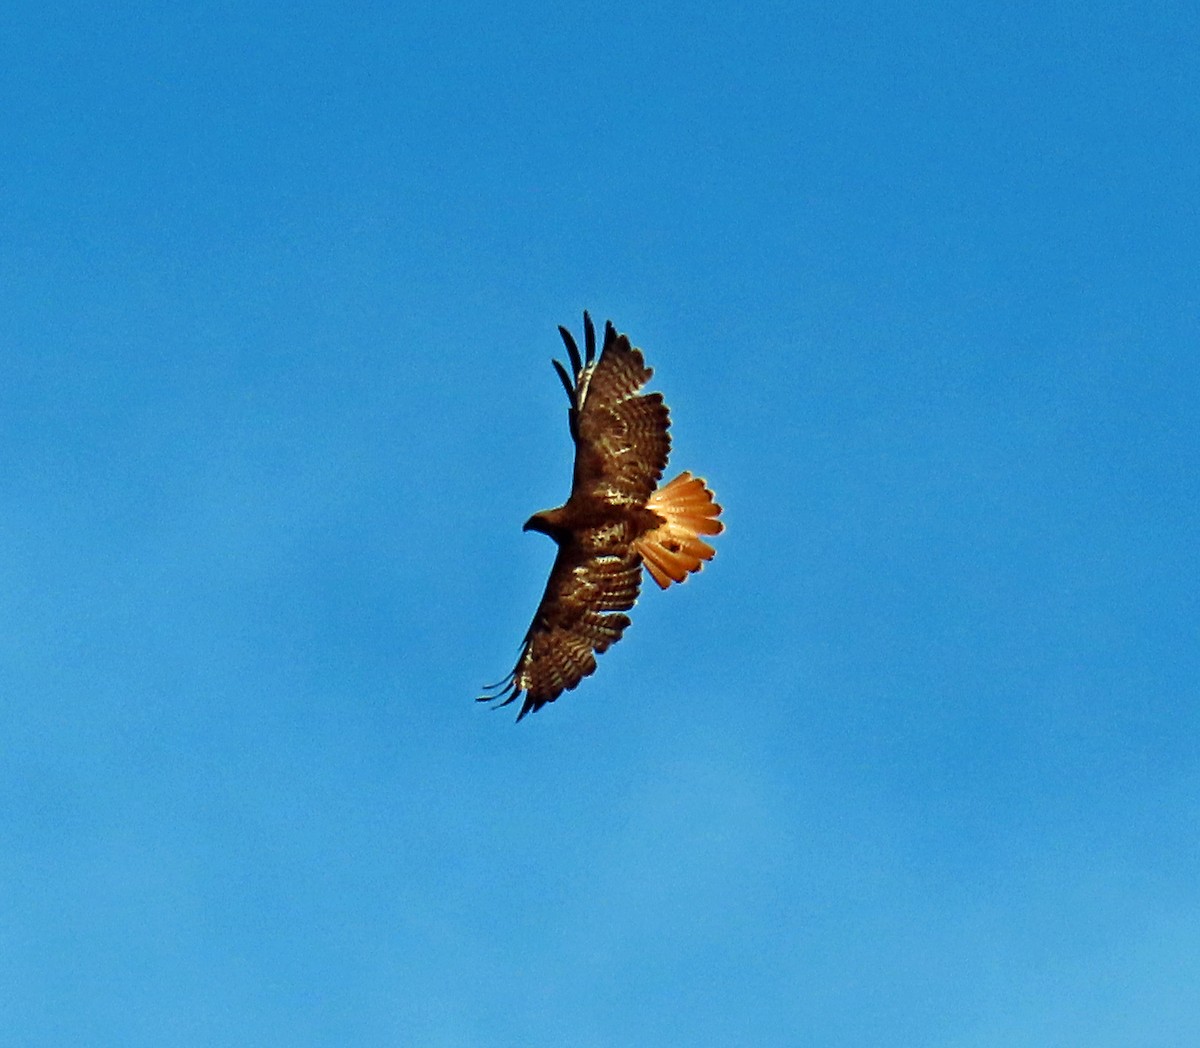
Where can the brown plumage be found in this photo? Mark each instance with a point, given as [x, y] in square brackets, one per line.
[616, 520]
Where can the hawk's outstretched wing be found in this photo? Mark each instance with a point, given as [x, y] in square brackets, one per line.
[580, 615]
[621, 435]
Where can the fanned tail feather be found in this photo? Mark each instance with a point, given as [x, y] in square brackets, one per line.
[674, 549]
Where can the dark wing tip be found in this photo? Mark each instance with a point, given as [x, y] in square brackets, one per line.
[531, 705]
[565, 379]
[501, 683]
[503, 691]
[506, 696]
[572, 348]
[610, 334]
[589, 336]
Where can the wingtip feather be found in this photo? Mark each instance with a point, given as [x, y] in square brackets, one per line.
[572, 348]
[589, 336]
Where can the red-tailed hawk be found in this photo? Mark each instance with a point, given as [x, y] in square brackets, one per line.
[616, 521]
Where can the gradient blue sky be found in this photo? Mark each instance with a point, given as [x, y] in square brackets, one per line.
[914, 762]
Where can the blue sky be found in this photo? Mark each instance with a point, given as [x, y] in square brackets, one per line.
[913, 762]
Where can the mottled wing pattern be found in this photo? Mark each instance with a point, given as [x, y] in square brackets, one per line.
[621, 434]
[591, 584]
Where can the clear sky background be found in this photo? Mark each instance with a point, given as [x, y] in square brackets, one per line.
[913, 762]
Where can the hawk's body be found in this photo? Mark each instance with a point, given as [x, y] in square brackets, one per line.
[615, 521]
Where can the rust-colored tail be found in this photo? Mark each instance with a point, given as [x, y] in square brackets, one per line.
[675, 548]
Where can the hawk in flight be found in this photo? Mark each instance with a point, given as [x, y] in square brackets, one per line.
[617, 521]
